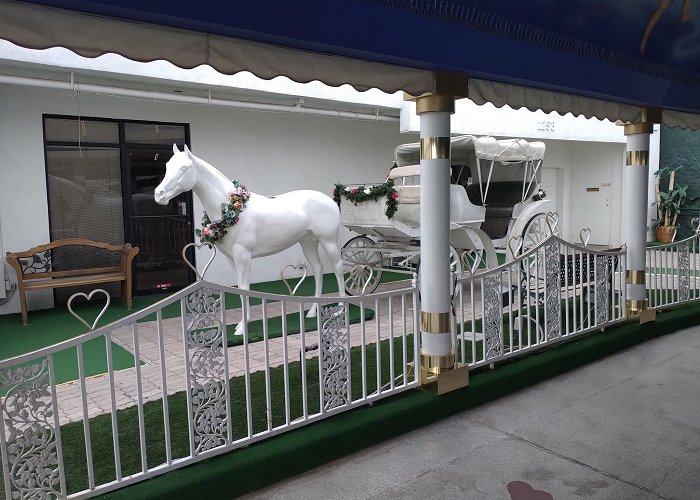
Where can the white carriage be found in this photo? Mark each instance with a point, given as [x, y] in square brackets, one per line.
[496, 203]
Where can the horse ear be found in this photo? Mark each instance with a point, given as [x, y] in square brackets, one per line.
[175, 150]
[187, 150]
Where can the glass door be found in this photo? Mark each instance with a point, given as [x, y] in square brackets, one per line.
[159, 231]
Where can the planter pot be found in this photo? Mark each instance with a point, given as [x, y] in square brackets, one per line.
[665, 234]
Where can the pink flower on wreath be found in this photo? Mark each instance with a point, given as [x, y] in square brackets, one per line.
[237, 205]
[232, 194]
[206, 231]
[395, 196]
[354, 190]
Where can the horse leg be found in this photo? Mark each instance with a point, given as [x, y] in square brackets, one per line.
[242, 263]
[310, 249]
[333, 252]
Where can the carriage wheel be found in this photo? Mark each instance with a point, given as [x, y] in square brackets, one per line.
[536, 231]
[456, 266]
[365, 266]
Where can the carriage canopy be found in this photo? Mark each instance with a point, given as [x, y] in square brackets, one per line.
[466, 148]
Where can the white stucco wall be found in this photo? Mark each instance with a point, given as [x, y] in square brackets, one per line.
[486, 119]
[276, 152]
[269, 152]
[596, 166]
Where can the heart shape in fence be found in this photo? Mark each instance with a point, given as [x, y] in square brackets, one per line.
[585, 235]
[284, 279]
[515, 244]
[370, 275]
[552, 219]
[200, 277]
[88, 296]
[471, 260]
[673, 234]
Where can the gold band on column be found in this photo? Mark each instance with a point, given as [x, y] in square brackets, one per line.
[435, 148]
[634, 307]
[431, 322]
[637, 277]
[435, 104]
[637, 158]
[434, 364]
[639, 128]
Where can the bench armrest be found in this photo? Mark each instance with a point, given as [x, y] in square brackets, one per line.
[127, 255]
[13, 260]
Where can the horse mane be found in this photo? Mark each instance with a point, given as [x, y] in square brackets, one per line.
[211, 168]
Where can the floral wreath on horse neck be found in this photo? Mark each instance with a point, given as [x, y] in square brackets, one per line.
[361, 193]
[212, 232]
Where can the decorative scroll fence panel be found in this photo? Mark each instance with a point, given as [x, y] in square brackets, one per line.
[554, 291]
[671, 273]
[192, 398]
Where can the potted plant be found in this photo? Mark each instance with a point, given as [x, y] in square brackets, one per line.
[668, 203]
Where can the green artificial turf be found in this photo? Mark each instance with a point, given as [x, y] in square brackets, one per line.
[239, 472]
[233, 301]
[51, 326]
[72, 435]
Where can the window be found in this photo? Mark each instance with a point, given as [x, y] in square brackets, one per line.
[85, 193]
[100, 179]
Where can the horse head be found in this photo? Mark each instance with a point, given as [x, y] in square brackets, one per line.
[180, 176]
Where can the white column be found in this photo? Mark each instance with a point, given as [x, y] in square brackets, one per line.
[436, 317]
[634, 213]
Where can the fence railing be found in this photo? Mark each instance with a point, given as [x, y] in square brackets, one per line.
[197, 390]
[672, 273]
[554, 291]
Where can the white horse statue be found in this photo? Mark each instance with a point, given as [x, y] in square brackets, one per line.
[266, 225]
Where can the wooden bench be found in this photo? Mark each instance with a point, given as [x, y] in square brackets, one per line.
[34, 269]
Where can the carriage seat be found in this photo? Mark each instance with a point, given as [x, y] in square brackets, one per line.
[409, 205]
[461, 210]
[500, 200]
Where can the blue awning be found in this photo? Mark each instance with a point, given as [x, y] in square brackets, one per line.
[636, 53]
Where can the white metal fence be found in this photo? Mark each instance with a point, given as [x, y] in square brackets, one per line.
[190, 398]
[552, 292]
[672, 273]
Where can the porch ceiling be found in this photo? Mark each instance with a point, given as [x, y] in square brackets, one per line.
[590, 57]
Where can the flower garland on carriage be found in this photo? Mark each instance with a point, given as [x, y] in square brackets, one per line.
[364, 193]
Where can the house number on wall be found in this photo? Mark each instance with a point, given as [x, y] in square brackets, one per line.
[545, 126]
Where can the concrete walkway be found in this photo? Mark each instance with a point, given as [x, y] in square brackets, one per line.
[626, 427]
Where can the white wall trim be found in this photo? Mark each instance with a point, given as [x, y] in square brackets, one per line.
[80, 88]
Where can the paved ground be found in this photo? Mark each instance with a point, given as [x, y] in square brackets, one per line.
[627, 427]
